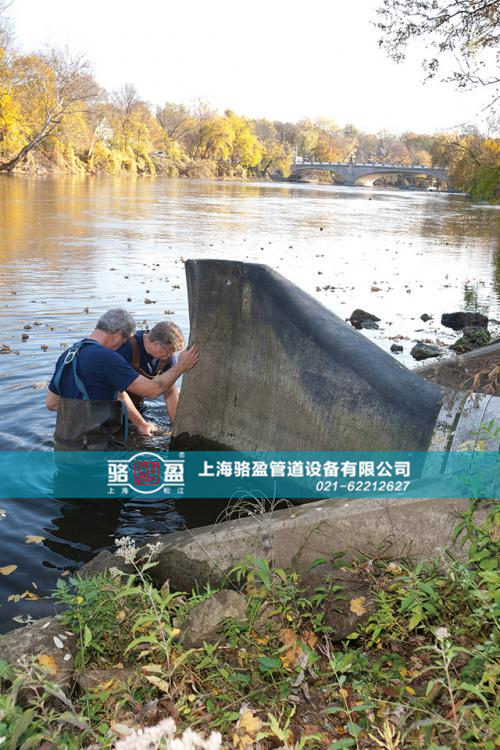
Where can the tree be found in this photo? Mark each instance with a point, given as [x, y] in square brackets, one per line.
[461, 31]
[47, 91]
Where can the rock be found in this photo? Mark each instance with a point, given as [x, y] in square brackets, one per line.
[369, 324]
[27, 328]
[425, 317]
[425, 351]
[396, 348]
[92, 678]
[49, 642]
[103, 562]
[473, 338]
[24, 336]
[461, 320]
[345, 609]
[203, 622]
[359, 316]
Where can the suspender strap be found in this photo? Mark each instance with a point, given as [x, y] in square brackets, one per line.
[136, 352]
[70, 359]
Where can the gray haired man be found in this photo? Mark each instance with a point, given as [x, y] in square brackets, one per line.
[89, 379]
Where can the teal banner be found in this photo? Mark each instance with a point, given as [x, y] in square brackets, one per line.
[294, 475]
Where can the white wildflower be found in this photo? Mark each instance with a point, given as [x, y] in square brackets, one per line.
[126, 549]
[162, 736]
[441, 633]
[114, 572]
[154, 548]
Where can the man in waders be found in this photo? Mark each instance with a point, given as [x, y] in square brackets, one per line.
[89, 379]
[150, 353]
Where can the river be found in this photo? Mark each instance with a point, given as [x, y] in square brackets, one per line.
[71, 248]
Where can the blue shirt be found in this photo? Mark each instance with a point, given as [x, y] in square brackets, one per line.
[102, 371]
[147, 363]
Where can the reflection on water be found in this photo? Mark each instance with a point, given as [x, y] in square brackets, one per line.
[72, 247]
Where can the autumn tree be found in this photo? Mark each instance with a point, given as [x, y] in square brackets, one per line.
[47, 91]
[463, 33]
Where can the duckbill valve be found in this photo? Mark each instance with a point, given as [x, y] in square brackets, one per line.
[278, 371]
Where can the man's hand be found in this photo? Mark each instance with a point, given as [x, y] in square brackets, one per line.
[188, 358]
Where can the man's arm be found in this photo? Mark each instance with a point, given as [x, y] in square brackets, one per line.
[142, 386]
[52, 400]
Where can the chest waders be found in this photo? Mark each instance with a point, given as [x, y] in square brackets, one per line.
[87, 424]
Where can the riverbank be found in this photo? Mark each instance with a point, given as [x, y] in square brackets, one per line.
[378, 652]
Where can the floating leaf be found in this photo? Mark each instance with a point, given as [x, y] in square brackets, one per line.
[358, 606]
[33, 539]
[7, 570]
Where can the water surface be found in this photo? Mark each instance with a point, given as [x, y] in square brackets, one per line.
[71, 248]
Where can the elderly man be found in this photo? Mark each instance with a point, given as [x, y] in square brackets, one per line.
[151, 353]
[88, 382]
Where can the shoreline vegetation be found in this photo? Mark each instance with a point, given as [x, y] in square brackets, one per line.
[56, 119]
[375, 653]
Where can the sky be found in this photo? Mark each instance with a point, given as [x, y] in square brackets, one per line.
[279, 59]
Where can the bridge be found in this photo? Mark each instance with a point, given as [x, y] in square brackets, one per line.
[366, 174]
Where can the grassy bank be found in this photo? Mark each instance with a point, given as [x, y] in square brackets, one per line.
[419, 671]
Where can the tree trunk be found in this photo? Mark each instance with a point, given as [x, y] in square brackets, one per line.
[8, 166]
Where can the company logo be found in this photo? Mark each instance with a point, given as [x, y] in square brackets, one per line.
[146, 473]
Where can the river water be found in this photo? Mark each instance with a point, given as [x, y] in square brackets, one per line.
[71, 248]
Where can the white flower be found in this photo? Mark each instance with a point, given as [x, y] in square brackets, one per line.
[441, 633]
[113, 572]
[154, 548]
[162, 736]
[126, 549]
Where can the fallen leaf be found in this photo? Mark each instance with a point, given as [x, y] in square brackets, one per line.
[158, 682]
[33, 539]
[7, 570]
[358, 606]
[152, 668]
[48, 662]
[120, 616]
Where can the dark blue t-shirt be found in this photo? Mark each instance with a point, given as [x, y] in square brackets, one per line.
[147, 363]
[102, 371]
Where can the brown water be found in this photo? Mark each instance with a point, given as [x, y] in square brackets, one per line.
[68, 245]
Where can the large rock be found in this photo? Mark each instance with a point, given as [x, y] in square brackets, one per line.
[358, 317]
[425, 351]
[472, 338]
[460, 320]
[204, 621]
[347, 608]
[91, 679]
[49, 642]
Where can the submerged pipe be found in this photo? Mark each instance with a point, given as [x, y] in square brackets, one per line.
[278, 371]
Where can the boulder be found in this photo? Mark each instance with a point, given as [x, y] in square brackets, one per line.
[348, 606]
[396, 348]
[48, 642]
[425, 351]
[460, 320]
[204, 621]
[472, 338]
[93, 678]
[425, 317]
[369, 324]
[359, 316]
[102, 562]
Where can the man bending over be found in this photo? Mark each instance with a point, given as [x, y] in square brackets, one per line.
[151, 353]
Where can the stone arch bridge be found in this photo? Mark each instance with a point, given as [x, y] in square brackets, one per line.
[366, 174]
